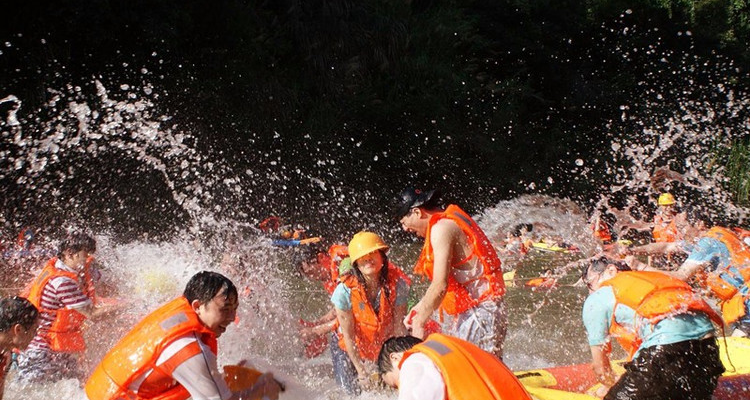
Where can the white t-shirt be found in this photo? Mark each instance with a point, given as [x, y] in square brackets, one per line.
[198, 374]
[419, 379]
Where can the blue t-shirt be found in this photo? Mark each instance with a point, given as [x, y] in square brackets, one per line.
[342, 296]
[597, 316]
[719, 258]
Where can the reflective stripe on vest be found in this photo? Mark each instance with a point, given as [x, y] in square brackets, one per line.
[469, 372]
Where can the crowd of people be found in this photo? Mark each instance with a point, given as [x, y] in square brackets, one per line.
[667, 328]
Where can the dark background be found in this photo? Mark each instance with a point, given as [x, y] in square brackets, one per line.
[478, 98]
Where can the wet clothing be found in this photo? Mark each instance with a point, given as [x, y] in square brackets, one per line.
[468, 371]
[193, 365]
[665, 231]
[341, 297]
[466, 288]
[597, 318]
[61, 292]
[169, 347]
[420, 379]
[484, 325]
[725, 254]
[40, 365]
[687, 370]
[39, 362]
[344, 372]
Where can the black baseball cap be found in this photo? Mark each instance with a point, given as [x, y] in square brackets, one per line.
[411, 198]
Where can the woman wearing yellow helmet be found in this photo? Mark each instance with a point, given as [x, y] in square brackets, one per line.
[370, 304]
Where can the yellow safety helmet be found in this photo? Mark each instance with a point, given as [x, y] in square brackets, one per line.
[364, 243]
[666, 199]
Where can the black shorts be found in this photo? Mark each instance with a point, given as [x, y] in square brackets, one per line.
[686, 370]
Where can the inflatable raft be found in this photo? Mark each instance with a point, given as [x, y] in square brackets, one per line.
[572, 382]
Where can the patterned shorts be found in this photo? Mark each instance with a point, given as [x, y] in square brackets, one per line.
[39, 365]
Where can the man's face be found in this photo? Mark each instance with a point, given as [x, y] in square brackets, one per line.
[78, 260]
[668, 211]
[412, 222]
[391, 377]
[218, 313]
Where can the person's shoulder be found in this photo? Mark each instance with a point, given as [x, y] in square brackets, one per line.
[603, 296]
[444, 227]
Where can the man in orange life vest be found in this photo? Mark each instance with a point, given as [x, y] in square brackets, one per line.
[664, 326]
[64, 303]
[18, 322]
[444, 367]
[720, 262]
[463, 267]
[171, 353]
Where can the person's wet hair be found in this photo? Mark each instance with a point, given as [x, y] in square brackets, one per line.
[516, 232]
[206, 285]
[75, 242]
[17, 310]
[600, 264]
[396, 344]
[383, 282]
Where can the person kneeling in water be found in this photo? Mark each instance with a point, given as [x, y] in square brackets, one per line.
[370, 304]
[664, 326]
[171, 353]
[445, 368]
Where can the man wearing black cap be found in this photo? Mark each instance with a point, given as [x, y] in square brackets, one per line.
[464, 270]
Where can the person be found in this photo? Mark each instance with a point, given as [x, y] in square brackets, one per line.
[719, 261]
[667, 221]
[324, 266]
[62, 297]
[464, 269]
[18, 323]
[171, 353]
[370, 303]
[661, 323]
[444, 367]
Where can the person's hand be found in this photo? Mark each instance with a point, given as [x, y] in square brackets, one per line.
[598, 390]
[415, 321]
[306, 333]
[367, 378]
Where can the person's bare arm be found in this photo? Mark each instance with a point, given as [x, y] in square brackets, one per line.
[688, 269]
[443, 236]
[655, 248]
[601, 365]
[346, 324]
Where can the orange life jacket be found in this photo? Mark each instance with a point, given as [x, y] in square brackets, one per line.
[139, 350]
[64, 334]
[601, 231]
[457, 298]
[336, 253]
[731, 300]
[654, 296]
[665, 231]
[468, 371]
[371, 330]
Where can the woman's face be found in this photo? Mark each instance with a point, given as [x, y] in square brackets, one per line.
[371, 263]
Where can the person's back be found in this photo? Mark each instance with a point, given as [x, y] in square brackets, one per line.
[444, 368]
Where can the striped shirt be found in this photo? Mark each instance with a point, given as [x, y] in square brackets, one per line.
[59, 293]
